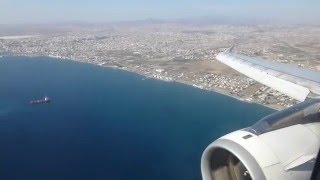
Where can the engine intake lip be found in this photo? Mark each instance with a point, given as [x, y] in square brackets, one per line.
[235, 149]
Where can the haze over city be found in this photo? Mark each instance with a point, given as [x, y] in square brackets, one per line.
[246, 11]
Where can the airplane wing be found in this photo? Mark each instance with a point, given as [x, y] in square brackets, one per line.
[291, 80]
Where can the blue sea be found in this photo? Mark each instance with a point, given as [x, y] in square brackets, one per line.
[104, 123]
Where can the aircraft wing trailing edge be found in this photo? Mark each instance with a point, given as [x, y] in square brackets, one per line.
[291, 80]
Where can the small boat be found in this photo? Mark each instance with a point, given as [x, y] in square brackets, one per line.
[46, 99]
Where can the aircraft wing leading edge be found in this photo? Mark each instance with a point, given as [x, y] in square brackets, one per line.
[293, 81]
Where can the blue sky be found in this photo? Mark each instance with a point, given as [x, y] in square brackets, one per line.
[34, 11]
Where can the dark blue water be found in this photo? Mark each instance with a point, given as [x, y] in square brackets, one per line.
[107, 124]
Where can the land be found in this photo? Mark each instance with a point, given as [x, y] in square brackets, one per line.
[178, 52]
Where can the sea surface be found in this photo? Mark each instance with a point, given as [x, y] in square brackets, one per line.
[104, 123]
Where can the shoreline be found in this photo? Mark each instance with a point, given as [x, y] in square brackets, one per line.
[219, 91]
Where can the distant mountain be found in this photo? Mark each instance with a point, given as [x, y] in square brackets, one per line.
[60, 27]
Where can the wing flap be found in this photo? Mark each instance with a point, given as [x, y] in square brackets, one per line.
[292, 81]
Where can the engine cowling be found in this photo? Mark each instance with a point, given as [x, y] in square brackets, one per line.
[283, 145]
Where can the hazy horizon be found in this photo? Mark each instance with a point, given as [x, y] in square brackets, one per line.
[98, 11]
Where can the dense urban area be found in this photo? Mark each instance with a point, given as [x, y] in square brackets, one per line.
[178, 52]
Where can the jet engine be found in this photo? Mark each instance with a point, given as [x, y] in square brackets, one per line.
[283, 145]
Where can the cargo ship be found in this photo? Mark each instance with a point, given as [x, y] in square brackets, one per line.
[46, 99]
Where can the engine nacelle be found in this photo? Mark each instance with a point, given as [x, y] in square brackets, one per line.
[283, 145]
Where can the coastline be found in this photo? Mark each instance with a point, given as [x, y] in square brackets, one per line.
[94, 108]
[216, 90]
